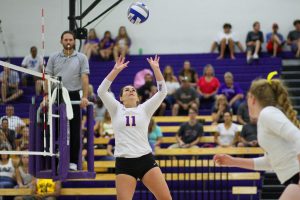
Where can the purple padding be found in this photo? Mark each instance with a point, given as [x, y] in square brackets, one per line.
[32, 136]
[90, 139]
[70, 175]
[64, 144]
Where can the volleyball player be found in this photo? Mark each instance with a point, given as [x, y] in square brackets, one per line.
[130, 119]
[277, 129]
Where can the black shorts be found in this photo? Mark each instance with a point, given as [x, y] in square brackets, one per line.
[293, 180]
[136, 167]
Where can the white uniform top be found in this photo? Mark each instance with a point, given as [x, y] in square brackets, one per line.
[280, 138]
[227, 135]
[130, 125]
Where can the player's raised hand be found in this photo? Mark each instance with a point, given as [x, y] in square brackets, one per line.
[120, 64]
[154, 63]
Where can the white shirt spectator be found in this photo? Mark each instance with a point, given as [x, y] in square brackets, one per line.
[227, 36]
[13, 122]
[227, 135]
[34, 64]
[172, 87]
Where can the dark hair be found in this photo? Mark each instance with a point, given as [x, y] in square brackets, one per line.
[227, 25]
[4, 119]
[33, 47]
[68, 32]
[255, 23]
[297, 21]
[4, 148]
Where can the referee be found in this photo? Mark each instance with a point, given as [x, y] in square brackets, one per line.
[73, 68]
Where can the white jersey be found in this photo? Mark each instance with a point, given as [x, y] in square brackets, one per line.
[130, 125]
[280, 139]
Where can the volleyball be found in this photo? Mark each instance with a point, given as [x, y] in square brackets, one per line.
[137, 13]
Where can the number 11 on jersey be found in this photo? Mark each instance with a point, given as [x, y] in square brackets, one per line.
[130, 121]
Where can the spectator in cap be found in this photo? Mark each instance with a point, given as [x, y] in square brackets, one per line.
[274, 40]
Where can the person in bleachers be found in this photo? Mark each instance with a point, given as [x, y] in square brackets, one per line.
[106, 46]
[154, 135]
[248, 137]
[232, 91]
[254, 41]
[293, 39]
[189, 133]
[90, 46]
[226, 134]
[221, 106]
[22, 143]
[23, 177]
[226, 41]
[243, 114]
[9, 80]
[33, 62]
[139, 78]
[122, 44]
[188, 72]
[104, 128]
[274, 41]
[208, 85]
[185, 97]
[172, 85]
[7, 170]
[147, 90]
[8, 134]
[99, 110]
[15, 123]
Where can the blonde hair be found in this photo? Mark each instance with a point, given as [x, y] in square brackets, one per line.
[274, 93]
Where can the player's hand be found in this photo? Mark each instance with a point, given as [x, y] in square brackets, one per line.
[154, 63]
[84, 102]
[120, 64]
[223, 160]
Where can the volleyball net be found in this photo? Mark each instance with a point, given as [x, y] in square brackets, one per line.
[21, 89]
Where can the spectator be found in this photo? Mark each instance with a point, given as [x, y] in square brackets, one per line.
[9, 134]
[91, 94]
[10, 85]
[227, 133]
[33, 62]
[147, 91]
[185, 97]
[274, 40]
[139, 78]
[15, 123]
[7, 170]
[293, 38]
[189, 133]
[232, 91]
[90, 46]
[4, 142]
[106, 46]
[172, 85]
[99, 110]
[122, 44]
[154, 135]
[225, 41]
[208, 85]
[24, 178]
[254, 41]
[189, 73]
[221, 106]
[104, 128]
[243, 114]
[23, 142]
[248, 136]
